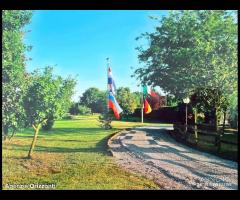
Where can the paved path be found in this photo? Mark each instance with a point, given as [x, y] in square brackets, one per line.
[150, 151]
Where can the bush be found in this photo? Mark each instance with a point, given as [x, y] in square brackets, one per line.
[77, 109]
[67, 116]
[83, 110]
[105, 121]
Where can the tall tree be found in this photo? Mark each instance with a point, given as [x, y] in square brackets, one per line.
[94, 99]
[63, 98]
[190, 50]
[13, 68]
[45, 97]
[126, 100]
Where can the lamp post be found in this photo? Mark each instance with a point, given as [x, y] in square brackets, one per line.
[186, 101]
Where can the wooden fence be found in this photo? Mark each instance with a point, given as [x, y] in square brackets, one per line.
[196, 130]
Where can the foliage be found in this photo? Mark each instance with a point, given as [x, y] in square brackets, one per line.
[47, 96]
[172, 100]
[233, 119]
[233, 109]
[105, 120]
[49, 124]
[204, 99]
[192, 50]
[46, 99]
[94, 99]
[74, 108]
[137, 98]
[84, 110]
[13, 68]
[65, 94]
[126, 100]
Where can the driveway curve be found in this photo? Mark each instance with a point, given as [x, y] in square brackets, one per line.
[151, 152]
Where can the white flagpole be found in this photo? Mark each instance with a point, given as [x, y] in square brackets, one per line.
[107, 84]
[142, 104]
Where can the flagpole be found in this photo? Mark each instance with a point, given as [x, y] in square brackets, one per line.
[142, 105]
[107, 84]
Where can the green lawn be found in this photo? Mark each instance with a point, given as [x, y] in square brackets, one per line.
[73, 155]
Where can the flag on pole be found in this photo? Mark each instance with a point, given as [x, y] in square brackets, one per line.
[147, 107]
[111, 83]
[113, 104]
[147, 91]
[146, 94]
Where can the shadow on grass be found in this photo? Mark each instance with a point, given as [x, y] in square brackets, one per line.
[100, 147]
[67, 131]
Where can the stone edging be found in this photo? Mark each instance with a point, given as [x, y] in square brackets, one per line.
[113, 136]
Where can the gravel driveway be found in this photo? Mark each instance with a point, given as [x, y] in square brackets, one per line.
[150, 151]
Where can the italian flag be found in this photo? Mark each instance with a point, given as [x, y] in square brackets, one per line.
[147, 91]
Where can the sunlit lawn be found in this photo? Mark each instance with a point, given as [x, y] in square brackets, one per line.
[73, 155]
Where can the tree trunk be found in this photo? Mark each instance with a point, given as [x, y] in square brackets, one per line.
[4, 137]
[221, 133]
[5, 132]
[224, 118]
[195, 125]
[34, 140]
[218, 136]
[13, 133]
[216, 119]
[216, 125]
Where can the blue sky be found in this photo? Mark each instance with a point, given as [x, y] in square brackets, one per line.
[78, 43]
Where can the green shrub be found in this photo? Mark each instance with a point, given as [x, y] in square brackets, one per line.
[105, 121]
[67, 116]
[83, 110]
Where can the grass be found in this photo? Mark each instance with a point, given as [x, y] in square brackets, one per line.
[73, 155]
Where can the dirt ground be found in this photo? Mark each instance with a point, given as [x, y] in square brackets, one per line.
[151, 152]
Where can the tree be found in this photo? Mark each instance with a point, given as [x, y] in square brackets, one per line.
[233, 110]
[78, 109]
[192, 50]
[172, 100]
[13, 69]
[126, 100]
[45, 97]
[203, 100]
[74, 108]
[94, 99]
[63, 98]
[84, 110]
[137, 98]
